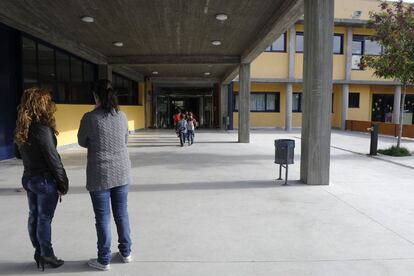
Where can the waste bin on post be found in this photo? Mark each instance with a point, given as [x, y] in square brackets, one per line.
[284, 155]
[373, 147]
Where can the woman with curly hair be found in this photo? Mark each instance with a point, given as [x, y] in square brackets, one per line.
[44, 177]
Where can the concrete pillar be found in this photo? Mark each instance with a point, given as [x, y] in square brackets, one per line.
[105, 72]
[244, 103]
[291, 52]
[230, 105]
[224, 90]
[291, 76]
[397, 105]
[288, 107]
[201, 111]
[348, 53]
[344, 108]
[317, 94]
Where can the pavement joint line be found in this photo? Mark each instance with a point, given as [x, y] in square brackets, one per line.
[275, 261]
[369, 217]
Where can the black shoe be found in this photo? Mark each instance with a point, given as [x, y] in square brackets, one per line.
[37, 258]
[53, 261]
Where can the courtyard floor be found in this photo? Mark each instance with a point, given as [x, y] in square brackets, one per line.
[215, 208]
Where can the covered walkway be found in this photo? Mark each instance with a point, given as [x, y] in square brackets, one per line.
[215, 209]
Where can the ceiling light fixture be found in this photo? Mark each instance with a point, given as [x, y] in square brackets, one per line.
[207, 73]
[118, 43]
[87, 19]
[155, 72]
[216, 42]
[221, 17]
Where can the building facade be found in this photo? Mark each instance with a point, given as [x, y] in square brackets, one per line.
[277, 75]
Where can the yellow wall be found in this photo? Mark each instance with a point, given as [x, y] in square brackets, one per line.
[337, 102]
[270, 65]
[68, 118]
[345, 9]
[363, 112]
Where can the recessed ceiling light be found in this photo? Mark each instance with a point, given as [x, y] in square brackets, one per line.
[87, 19]
[155, 72]
[221, 17]
[118, 43]
[207, 73]
[216, 42]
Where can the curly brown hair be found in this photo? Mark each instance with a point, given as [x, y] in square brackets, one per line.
[36, 107]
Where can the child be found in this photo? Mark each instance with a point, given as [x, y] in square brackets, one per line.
[192, 124]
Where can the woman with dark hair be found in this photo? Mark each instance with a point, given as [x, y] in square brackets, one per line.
[104, 132]
[44, 177]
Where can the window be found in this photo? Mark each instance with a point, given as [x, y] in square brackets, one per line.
[338, 46]
[279, 45]
[299, 42]
[126, 89]
[297, 102]
[362, 45]
[29, 59]
[261, 102]
[353, 101]
[372, 47]
[69, 78]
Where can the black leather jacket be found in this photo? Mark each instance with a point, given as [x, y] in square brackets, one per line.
[40, 156]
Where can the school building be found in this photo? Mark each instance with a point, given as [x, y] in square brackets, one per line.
[234, 64]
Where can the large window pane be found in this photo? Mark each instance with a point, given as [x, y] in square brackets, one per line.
[29, 63]
[271, 102]
[62, 94]
[236, 102]
[372, 47]
[46, 63]
[258, 102]
[337, 44]
[76, 69]
[353, 101]
[299, 42]
[297, 102]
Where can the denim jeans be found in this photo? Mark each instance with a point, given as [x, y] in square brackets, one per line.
[191, 137]
[102, 201]
[43, 197]
[183, 136]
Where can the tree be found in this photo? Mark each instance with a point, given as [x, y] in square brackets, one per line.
[394, 32]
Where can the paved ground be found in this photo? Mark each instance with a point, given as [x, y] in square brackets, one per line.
[215, 209]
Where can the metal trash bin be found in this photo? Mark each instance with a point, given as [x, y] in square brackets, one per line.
[284, 155]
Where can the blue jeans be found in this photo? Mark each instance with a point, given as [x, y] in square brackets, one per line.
[191, 135]
[183, 136]
[102, 201]
[43, 197]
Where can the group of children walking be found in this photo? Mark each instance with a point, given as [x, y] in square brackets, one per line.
[185, 125]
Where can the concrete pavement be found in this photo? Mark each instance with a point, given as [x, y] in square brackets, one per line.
[215, 209]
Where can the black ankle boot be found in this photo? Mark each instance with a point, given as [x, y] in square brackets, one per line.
[37, 258]
[53, 261]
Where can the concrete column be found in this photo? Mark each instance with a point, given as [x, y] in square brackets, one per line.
[288, 108]
[224, 90]
[291, 76]
[201, 111]
[344, 108]
[105, 72]
[397, 105]
[291, 52]
[317, 94]
[230, 105]
[244, 103]
[348, 53]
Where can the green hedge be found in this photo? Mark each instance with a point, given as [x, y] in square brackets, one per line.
[394, 151]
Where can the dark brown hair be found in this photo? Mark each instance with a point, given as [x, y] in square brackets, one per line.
[102, 89]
